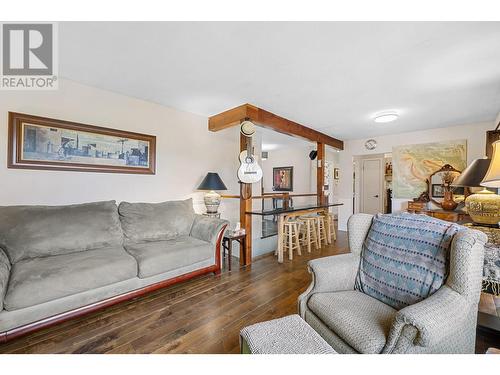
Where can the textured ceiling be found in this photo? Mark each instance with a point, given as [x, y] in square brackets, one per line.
[331, 76]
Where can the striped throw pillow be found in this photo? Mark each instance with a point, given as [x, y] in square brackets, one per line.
[405, 258]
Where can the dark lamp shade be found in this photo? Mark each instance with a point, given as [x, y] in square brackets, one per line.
[212, 181]
[473, 174]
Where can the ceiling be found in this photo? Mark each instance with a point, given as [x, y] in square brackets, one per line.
[332, 76]
[272, 140]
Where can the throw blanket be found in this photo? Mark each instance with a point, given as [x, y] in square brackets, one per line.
[491, 270]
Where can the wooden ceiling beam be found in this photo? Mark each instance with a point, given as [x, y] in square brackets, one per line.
[269, 120]
[227, 118]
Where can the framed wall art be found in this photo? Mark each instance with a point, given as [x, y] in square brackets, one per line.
[336, 173]
[413, 164]
[44, 143]
[437, 191]
[283, 178]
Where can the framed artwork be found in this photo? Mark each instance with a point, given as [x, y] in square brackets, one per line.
[336, 173]
[413, 164]
[437, 191]
[459, 190]
[44, 143]
[283, 178]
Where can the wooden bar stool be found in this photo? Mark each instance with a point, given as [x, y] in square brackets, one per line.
[321, 228]
[330, 227]
[309, 234]
[291, 240]
[332, 235]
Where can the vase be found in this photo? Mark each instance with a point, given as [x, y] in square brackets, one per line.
[448, 203]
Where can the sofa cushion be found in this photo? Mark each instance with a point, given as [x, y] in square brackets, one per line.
[28, 232]
[143, 222]
[405, 258]
[154, 258]
[360, 320]
[39, 280]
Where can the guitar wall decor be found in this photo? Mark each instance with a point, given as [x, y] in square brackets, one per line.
[249, 171]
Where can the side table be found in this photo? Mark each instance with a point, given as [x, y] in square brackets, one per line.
[227, 245]
[452, 216]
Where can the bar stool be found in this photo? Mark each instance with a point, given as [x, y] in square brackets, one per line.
[330, 227]
[291, 237]
[309, 234]
[321, 228]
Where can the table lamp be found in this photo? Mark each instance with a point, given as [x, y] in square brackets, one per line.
[492, 177]
[210, 183]
[483, 206]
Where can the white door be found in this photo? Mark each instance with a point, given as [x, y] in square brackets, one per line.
[371, 186]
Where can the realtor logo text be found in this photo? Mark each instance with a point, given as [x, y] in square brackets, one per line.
[29, 58]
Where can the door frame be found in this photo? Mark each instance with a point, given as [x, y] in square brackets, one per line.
[362, 160]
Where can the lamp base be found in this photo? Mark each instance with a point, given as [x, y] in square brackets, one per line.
[484, 207]
[212, 202]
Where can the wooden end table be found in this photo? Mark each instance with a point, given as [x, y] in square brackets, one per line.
[452, 216]
[227, 244]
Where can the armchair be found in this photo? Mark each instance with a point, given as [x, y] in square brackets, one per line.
[353, 322]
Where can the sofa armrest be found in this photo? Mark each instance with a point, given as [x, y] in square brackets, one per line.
[4, 276]
[207, 228]
[330, 274]
[429, 321]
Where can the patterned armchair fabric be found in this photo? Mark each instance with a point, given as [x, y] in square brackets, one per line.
[353, 322]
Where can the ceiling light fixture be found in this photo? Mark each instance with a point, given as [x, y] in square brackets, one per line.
[386, 117]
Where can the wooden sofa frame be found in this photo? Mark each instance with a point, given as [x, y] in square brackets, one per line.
[84, 310]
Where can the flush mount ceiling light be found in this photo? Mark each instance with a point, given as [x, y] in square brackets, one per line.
[386, 117]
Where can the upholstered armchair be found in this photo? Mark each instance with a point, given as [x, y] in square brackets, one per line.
[354, 322]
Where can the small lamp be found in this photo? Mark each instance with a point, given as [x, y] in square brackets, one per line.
[492, 177]
[483, 206]
[210, 183]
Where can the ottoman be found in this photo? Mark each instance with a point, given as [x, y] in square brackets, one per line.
[288, 335]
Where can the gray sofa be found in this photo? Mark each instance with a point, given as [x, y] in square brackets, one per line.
[57, 262]
[353, 322]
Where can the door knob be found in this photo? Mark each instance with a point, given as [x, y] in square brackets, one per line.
[375, 196]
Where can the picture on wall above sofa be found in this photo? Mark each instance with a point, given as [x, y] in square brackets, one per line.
[44, 143]
[413, 164]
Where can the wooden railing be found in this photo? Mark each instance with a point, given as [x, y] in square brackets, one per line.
[286, 197]
[270, 195]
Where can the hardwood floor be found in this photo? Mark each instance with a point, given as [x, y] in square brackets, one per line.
[203, 315]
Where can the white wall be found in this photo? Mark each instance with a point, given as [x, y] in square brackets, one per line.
[186, 151]
[474, 133]
[304, 182]
[304, 170]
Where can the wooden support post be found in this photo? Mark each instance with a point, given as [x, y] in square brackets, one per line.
[320, 172]
[246, 206]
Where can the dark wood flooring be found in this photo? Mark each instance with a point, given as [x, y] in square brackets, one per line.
[203, 315]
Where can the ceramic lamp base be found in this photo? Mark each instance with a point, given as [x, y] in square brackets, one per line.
[212, 202]
[484, 207]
